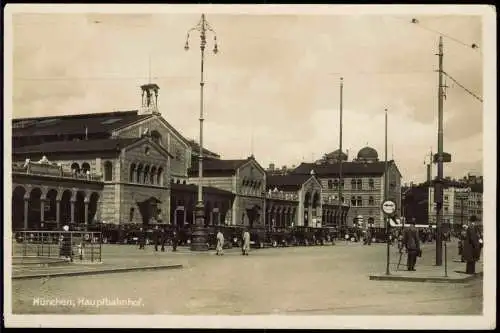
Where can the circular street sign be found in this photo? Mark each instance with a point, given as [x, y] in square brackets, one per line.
[389, 207]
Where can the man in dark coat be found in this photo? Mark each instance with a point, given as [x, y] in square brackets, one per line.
[156, 237]
[142, 239]
[163, 236]
[411, 242]
[471, 249]
[175, 239]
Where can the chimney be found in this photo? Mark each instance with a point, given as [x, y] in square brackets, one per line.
[271, 166]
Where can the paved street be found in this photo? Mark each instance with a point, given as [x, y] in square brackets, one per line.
[298, 280]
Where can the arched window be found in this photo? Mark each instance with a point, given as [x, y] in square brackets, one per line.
[132, 173]
[138, 179]
[353, 201]
[336, 183]
[146, 175]
[342, 183]
[330, 183]
[85, 167]
[359, 201]
[159, 177]
[152, 175]
[371, 201]
[108, 171]
[353, 184]
[75, 168]
[359, 184]
[371, 184]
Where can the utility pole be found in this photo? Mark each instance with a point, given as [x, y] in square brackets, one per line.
[438, 185]
[341, 202]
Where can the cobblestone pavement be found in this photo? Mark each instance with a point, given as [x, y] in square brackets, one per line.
[326, 280]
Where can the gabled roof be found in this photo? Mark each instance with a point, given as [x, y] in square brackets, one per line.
[75, 124]
[152, 143]
[291, 181]
[348, 168]
[216, 165]
[195, 147]
[162, 120]
[76, 146]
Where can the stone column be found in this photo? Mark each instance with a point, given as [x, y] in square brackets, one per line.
[58, 213]
[42, 209]
[26, 210]
[86, 203]
[72, 211]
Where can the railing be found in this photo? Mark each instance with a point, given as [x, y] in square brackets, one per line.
[45, 169]
[282, 196]
[71, 245]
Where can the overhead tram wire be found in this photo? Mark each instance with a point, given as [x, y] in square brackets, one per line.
[461, 86]
[417, 23]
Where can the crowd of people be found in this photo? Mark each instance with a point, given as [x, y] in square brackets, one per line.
[409, 239]
[160, 238]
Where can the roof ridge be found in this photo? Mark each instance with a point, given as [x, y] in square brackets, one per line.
[81, 115]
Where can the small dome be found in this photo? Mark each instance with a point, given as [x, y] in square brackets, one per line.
[336, 154]
[367, 153]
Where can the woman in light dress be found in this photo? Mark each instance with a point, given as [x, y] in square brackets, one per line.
[246, 243]
[220, 243]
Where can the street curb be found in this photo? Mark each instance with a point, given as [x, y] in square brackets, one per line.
[95, 272]
[443, 279]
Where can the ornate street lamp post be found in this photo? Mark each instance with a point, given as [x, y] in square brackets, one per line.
[199, 235]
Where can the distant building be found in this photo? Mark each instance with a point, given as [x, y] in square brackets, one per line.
[462, 202]
[284, 170]
[362, 183]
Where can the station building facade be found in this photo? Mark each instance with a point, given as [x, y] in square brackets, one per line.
[133, 167]
[362, 185]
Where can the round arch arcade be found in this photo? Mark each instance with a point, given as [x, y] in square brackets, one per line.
[34, 208]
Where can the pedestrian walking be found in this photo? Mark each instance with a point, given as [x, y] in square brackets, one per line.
[142, 239]
[163, 236]
[412, 245]
[246, 243]
[471, 249]
[66, 250]
[156, 238]
[174, 240]
[220, 243]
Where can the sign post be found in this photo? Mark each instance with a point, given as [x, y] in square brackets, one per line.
[389, 209]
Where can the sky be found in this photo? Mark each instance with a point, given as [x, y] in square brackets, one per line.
[273, 89]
